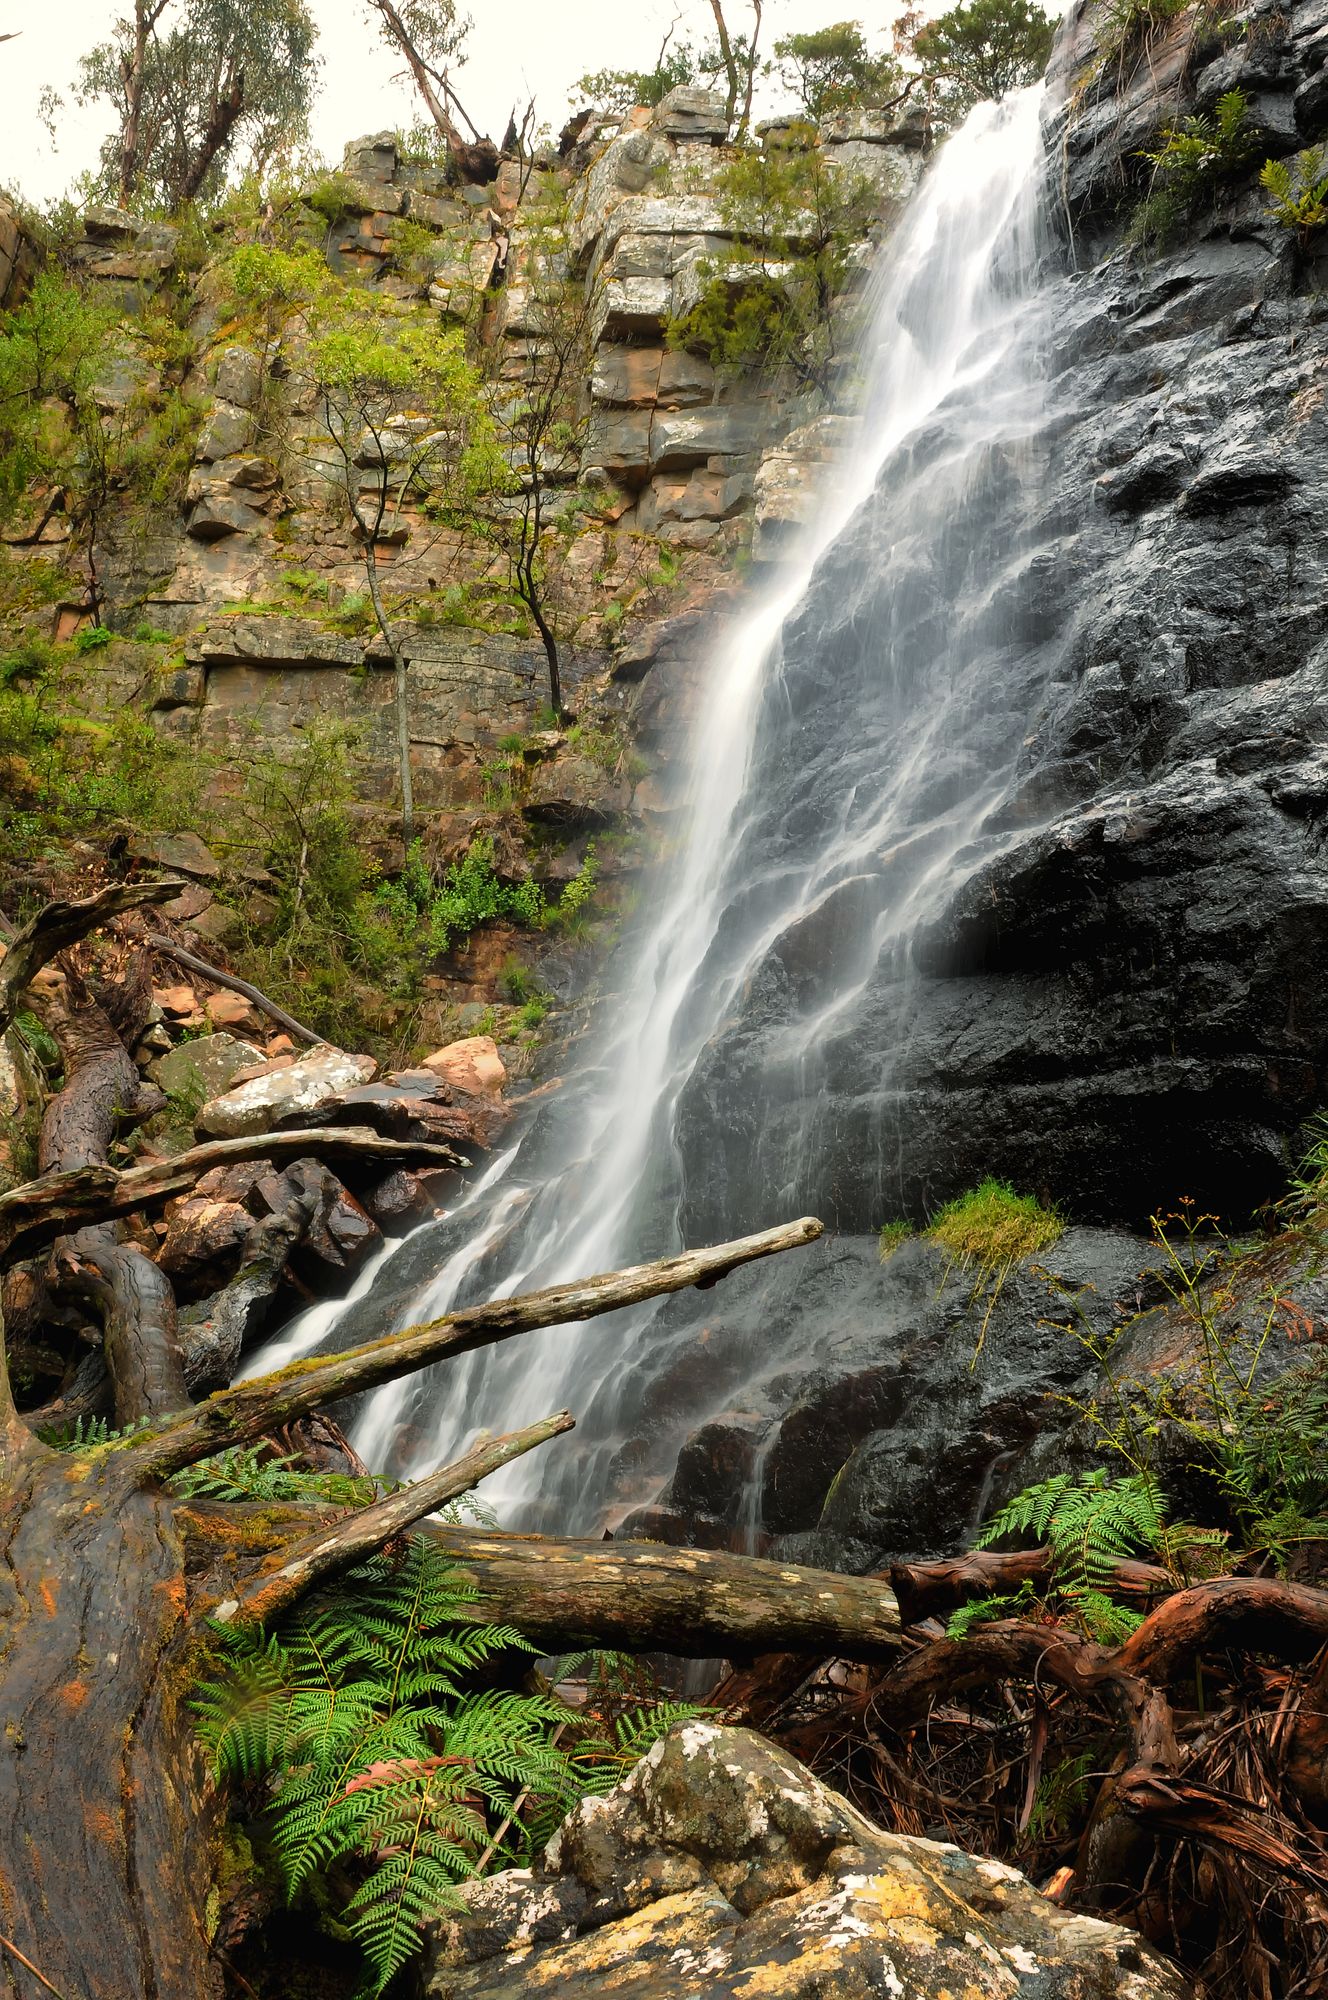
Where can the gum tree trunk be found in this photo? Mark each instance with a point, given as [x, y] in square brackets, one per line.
[105, 1816]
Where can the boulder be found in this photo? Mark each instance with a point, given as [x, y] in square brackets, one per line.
[372, 158]
[232, 1010]
[227, 431]
[179, 853]
[217, 514]
[207, 1065]
[415, 1104]
[473, 1066]
[239, 377]
[690, 113]
[286, 1096]
[691, 437]
[722, 1867]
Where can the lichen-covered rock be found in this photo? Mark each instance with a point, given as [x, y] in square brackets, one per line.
[722, 1867]
[207, 1065]
[286, 1096]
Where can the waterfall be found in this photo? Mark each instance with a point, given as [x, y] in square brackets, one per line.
[853, 758]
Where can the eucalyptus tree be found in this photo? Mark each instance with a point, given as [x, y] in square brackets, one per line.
[195, 85]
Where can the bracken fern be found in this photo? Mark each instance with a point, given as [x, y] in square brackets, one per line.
[355, 1712]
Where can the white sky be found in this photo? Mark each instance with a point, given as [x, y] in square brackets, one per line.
[517, 49]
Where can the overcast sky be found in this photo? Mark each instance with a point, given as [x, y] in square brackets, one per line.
[517, 49]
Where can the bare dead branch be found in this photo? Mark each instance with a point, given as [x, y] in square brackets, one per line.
[39, 1210]
[248, 1409]
[193, 963]
[361, 1533]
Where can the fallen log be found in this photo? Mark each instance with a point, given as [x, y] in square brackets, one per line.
[931, 1589]
[331, 1550]
[247, 1410]
[256, 998]
[49, 1207]
[644, 1596]
[61, 924]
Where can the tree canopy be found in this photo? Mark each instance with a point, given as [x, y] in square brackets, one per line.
[196, 84]
[828, 68]
[984, 48]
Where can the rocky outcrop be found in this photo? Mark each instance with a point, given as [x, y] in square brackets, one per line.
[721, 1866]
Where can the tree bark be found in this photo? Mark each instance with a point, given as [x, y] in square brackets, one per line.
[931, 1589]
[105, 1816]
[644, 1596]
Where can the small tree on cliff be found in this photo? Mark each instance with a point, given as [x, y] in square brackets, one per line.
[404, 418]
[429, 35]
[540, 425]
[828, 68]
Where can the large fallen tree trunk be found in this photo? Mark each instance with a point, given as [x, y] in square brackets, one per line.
[106, 1856]
[643, 1597]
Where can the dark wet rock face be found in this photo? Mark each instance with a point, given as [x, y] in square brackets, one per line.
[869, 1428]
[721, 1866]
[1118, 997]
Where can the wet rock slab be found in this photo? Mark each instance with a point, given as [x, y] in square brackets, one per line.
[722, 1867]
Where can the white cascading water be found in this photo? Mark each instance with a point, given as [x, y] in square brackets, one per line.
[950, 365]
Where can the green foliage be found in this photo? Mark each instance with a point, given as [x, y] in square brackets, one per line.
[218, 81]
[63, 778]
[1195, 159]
[983, 49]
[471, 894]
[53, 347]
[1297, 192]
[1089, 1522]
[829, 68]
[92, 638]
[767, 302]
[356, 1717]
[1061, 1796]
[990, 1230]
[891, 1236]
[92, 1433]
[620, 89]
[982, 1610]
[252, 1472]
[1126, 24]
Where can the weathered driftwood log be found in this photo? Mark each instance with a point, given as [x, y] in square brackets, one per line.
[230, 980]
[105, 1852]
[59, 925]
[39, 1210]
[644, 1596]
[330, 1550]
[248, 1409]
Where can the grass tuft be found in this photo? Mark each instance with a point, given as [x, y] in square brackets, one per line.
[988, 1231]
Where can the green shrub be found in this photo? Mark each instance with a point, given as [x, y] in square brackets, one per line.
[1195, 159]
[92, 638]
[1297, 192]
[892, 1236]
